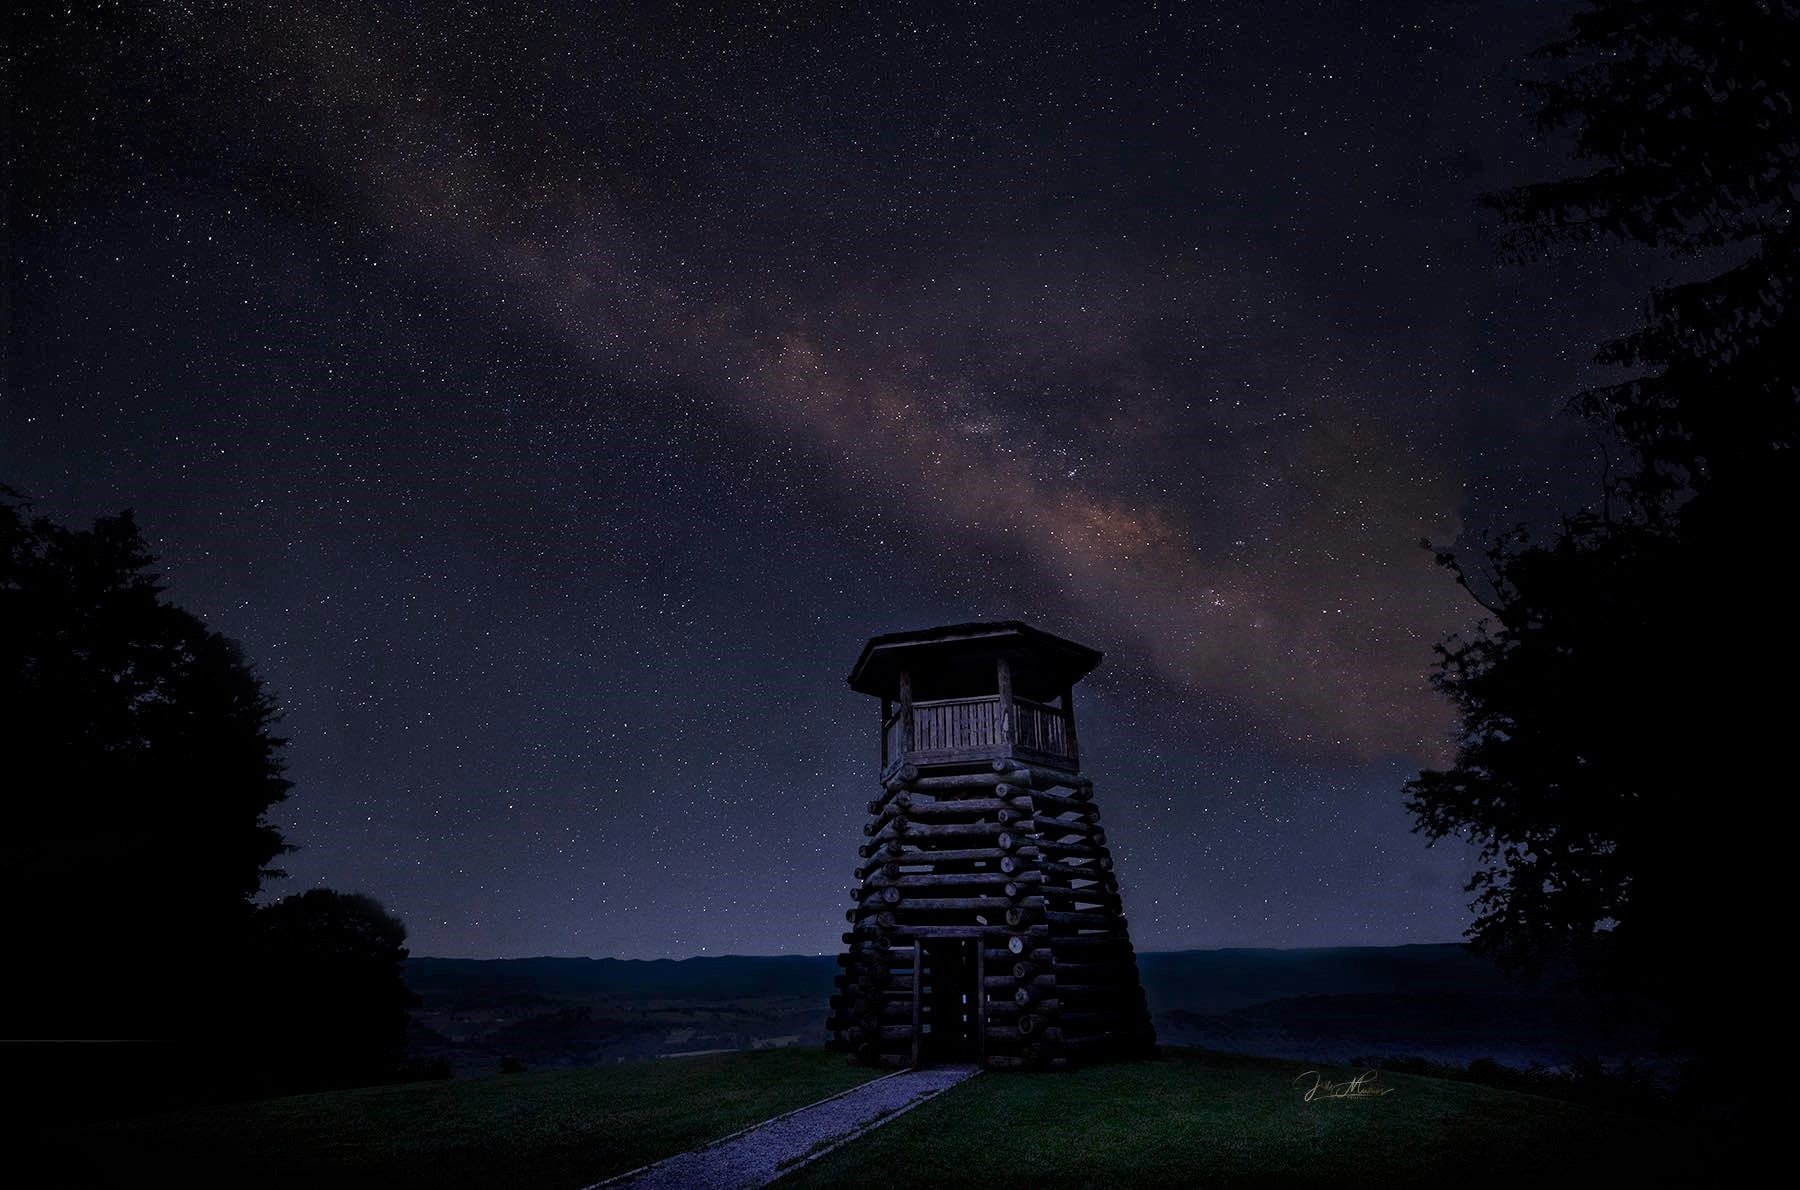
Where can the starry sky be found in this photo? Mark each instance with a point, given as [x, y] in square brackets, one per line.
[553, 397]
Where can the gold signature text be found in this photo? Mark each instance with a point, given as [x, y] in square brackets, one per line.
[1363, 1086]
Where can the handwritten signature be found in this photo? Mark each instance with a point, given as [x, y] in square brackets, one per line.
[1361, 1087]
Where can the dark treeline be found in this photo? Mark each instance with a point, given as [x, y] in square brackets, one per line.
[139, 767]
[1626, 703]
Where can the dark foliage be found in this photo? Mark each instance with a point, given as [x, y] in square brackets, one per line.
[423, 1070]
[1624, 707]
[331, 1000]
[1623, 1087]
[1689, 113]
[1577, 770]
[139, 764]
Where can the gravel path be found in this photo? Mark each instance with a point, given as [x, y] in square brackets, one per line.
[760, 1154]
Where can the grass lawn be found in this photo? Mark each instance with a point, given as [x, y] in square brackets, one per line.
[561, 1128]
[1196, 1118]
[1190, 1118]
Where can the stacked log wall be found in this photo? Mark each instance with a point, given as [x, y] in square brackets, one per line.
[1015, 859]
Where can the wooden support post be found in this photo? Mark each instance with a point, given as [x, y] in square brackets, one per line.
[887, 712]
[906, 715]
[1009, 730]
[1068, 708]
[918, 986]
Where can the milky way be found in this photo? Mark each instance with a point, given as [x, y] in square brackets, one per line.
[552, 402]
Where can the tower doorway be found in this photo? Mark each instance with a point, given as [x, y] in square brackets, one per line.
[950, 1001]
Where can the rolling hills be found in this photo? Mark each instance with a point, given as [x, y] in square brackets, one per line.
[1433, 1001]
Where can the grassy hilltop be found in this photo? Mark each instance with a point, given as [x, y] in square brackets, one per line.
[1189, 1118]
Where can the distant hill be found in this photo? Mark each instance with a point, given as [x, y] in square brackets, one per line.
[1435, 1001]
[730, 977]
[1198, 980]
[584, 1012]
[1340, 1003]
[1221, 980]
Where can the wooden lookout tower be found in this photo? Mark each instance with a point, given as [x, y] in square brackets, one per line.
[987, 924]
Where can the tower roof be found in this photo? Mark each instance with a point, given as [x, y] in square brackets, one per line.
[1042, 664]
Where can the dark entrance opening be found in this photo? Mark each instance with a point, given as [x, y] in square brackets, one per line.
[950, 1001]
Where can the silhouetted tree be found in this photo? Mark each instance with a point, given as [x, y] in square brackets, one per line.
[1689, 113]
[331, 990]
[138, 764]
[1624, 708]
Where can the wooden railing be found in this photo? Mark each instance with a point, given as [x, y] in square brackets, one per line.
[1041, 728]
[950, 724]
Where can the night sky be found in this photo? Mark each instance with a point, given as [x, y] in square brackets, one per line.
[552, 399]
